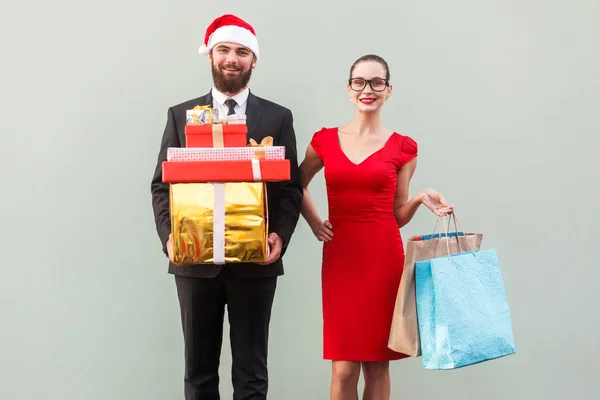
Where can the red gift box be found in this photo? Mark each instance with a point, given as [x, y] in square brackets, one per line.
[225, 171]
[215, 135]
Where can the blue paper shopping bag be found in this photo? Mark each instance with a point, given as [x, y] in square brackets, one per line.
[462, 310]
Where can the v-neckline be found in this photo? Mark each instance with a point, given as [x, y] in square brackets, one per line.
[339, 145]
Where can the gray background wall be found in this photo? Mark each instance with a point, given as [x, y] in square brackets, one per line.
[500, 95]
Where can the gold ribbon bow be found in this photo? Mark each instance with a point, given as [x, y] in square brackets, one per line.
[199, 108]
[259, 148]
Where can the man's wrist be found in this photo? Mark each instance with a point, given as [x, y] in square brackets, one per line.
[277, 234]
[280, 237]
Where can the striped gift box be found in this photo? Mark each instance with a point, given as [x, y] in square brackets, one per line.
[224, 153]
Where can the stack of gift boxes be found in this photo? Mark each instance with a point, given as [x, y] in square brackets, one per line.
[218, 196]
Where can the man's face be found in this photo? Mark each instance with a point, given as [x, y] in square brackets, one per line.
[231, 65]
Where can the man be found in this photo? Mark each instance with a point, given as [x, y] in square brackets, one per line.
[246, 289]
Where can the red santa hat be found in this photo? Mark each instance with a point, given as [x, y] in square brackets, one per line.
[229, 28]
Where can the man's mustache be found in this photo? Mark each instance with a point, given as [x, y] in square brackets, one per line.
[231, 66]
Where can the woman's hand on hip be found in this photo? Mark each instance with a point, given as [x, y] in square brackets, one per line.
[324, 231]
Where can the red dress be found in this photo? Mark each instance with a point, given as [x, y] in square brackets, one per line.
[363, 263]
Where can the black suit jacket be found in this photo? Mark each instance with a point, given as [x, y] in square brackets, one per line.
[263, 118]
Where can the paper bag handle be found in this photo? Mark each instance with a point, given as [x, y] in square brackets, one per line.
[457, 225]
[437, 221]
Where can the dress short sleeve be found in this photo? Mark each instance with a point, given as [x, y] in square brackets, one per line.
[318, 142]
[408, 150]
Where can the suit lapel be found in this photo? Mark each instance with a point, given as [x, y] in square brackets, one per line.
[207, 99]
[252, 115]
[204, 100]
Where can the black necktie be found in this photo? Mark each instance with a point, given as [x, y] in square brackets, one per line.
[231, 103]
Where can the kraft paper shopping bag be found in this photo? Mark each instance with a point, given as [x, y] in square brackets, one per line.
[404, 332]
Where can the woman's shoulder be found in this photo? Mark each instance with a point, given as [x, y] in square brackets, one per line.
[405, 143]
[406, 148]
[324, 132]
[325, 129]
[320, 139]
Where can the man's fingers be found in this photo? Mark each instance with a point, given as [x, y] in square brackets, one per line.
[268, 260]
[274, 253]
[272, 257]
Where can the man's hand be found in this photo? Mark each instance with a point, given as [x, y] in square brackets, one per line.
[170, 249]
[275, 245]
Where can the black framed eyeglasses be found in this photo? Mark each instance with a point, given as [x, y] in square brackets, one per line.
[376, 84]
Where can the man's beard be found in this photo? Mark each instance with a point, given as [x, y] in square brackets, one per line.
[230, 84]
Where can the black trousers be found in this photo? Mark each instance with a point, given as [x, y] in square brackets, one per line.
[249, 302]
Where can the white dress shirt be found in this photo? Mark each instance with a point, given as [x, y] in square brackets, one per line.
[240, 98]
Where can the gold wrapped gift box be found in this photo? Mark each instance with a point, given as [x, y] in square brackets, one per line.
[219, 223]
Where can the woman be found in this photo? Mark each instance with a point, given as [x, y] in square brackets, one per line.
[368, 168]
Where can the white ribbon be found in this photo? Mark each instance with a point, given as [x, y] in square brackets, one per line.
[256, 174]
[219, 215]
[219, 224]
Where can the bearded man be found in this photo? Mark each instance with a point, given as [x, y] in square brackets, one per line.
[246, 289]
